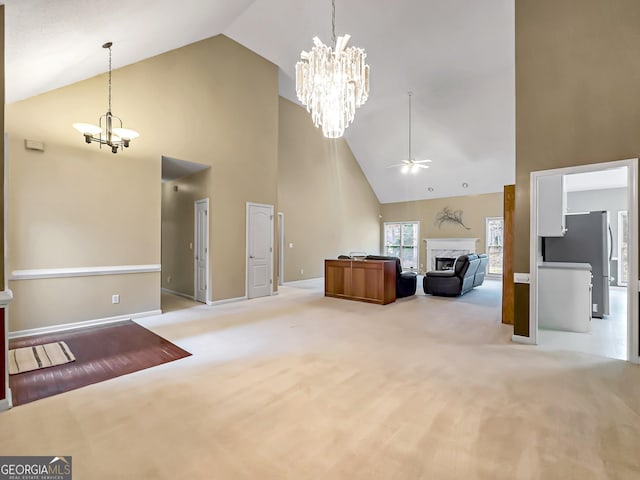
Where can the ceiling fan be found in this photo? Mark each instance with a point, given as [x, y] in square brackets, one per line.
[410, 165]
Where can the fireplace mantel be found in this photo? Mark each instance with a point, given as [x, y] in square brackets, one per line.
[447, 247]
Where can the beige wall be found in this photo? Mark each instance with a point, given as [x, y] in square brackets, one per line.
[577, 86]
[2, 166]
[69, 208]
[573, 91]
[48, 302]
[178, 215]
[213, 102]
[329, 207]
[475, 209]
[3, 324]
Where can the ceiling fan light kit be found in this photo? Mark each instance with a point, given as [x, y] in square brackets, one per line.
[332, 83]
[105, 133]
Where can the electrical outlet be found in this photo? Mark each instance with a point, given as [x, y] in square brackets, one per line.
[302, 271]
[169, 279]
[115, 298]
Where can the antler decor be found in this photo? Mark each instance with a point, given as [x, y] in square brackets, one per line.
[446, 215]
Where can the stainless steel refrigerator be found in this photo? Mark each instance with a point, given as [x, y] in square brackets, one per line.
[587, 240]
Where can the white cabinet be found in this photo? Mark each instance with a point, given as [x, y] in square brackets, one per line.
[564, 296]
[552, 206]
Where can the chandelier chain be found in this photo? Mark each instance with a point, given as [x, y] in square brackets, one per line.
[333, 22]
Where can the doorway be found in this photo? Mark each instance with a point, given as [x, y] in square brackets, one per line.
[201, 251]
[595, 312]
[259, 250]
[494, 231]
[183, 184]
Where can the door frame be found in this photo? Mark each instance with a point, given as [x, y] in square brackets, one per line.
[207, 299]
[5, 295]
[246, 243]
[280, 248]
[633, 353]
[620, 235]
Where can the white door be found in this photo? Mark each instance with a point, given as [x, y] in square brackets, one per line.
[259, 250]
[201, 250]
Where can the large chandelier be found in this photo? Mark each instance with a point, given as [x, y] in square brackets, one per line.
[332, 83]
[105, 133]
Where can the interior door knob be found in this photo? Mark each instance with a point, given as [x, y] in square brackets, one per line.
[251, 256]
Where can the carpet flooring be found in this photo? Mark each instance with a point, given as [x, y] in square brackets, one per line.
[301, 386]
[101, 352]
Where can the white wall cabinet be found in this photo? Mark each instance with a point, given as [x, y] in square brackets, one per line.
[552, 206]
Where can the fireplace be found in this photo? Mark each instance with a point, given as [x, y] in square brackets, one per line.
[447, 248]
[445, 263]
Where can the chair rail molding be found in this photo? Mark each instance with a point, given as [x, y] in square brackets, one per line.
[38, 273]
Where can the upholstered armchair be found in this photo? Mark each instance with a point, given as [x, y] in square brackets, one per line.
[482, 269]
[454, 282]
[406, 283]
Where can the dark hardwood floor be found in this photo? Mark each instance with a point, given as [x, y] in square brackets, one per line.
[101, 352]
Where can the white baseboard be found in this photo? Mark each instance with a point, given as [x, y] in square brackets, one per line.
[293, 283]
[226, 300]
[6, 403]
[148, 313]
[87, 323]
[180, 294]
[522, 339]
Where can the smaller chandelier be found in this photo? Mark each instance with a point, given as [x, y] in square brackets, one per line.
[107, 132]
[332, 83]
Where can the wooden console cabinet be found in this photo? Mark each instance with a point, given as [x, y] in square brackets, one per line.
[371, 281]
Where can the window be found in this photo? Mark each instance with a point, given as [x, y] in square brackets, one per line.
[495, 235]
[623, 248]
[401, 240]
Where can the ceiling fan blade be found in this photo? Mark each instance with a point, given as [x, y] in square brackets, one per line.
[421, 166]
[396, 165]
[421, 161]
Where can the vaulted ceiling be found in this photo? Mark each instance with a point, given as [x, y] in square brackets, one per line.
[456, 56]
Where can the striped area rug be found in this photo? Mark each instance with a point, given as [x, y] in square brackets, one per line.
[39, 356]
